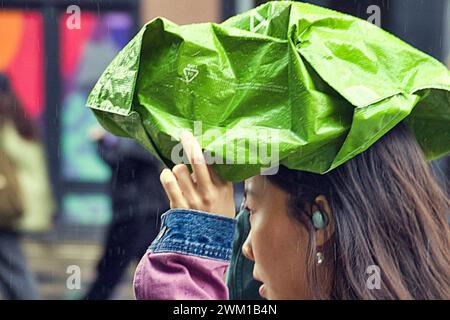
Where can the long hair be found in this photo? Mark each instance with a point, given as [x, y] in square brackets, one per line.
[11, 110]
[389, 212]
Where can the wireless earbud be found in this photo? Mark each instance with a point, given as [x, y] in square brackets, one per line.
[319, 220]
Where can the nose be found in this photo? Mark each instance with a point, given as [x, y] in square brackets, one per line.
[247, 249]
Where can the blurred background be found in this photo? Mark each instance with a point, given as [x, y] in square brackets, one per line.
[51, 65]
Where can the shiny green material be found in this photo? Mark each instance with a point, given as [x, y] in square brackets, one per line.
[325, 85]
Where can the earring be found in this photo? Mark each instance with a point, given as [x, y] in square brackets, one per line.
[319, 258]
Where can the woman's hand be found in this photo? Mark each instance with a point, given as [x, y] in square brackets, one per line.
[202, 190]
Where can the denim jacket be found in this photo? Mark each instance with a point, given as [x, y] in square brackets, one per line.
[188, 259]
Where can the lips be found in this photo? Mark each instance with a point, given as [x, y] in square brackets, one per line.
[262, 290]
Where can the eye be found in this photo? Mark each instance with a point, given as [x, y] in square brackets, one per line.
[244, 207]
[250, 211]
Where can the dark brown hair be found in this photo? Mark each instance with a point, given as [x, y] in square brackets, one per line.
[388, 211]
[11, 110]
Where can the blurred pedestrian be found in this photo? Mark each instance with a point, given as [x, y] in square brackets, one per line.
[137, 202]
[26, 202]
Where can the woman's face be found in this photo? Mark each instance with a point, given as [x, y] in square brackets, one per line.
[277, 242]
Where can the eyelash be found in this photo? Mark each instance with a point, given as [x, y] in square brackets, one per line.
[246, 208]
[250, 211]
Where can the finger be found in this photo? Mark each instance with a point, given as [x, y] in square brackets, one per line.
[194, 179]
[184, 179]
[170, 185]
[215, 178]
[196, 159]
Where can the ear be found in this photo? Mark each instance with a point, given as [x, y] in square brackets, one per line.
[323, 235]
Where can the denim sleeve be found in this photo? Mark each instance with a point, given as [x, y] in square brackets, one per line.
[195, 233]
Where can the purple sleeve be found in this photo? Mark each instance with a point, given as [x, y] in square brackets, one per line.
[175, 276]
[188, 259]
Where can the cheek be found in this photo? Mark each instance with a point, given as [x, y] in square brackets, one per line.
[293, 282]
[279, 247]
[262, 240]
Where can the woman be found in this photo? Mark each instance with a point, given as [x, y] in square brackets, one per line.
[20, 144]
[374, 228]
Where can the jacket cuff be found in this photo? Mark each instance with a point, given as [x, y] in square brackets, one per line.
[195, 233]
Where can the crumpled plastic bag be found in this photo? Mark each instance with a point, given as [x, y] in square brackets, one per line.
[289, 82]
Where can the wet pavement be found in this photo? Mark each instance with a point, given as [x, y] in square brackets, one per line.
[51, 263]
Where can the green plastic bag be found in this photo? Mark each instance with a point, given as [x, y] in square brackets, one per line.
[285, 83]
